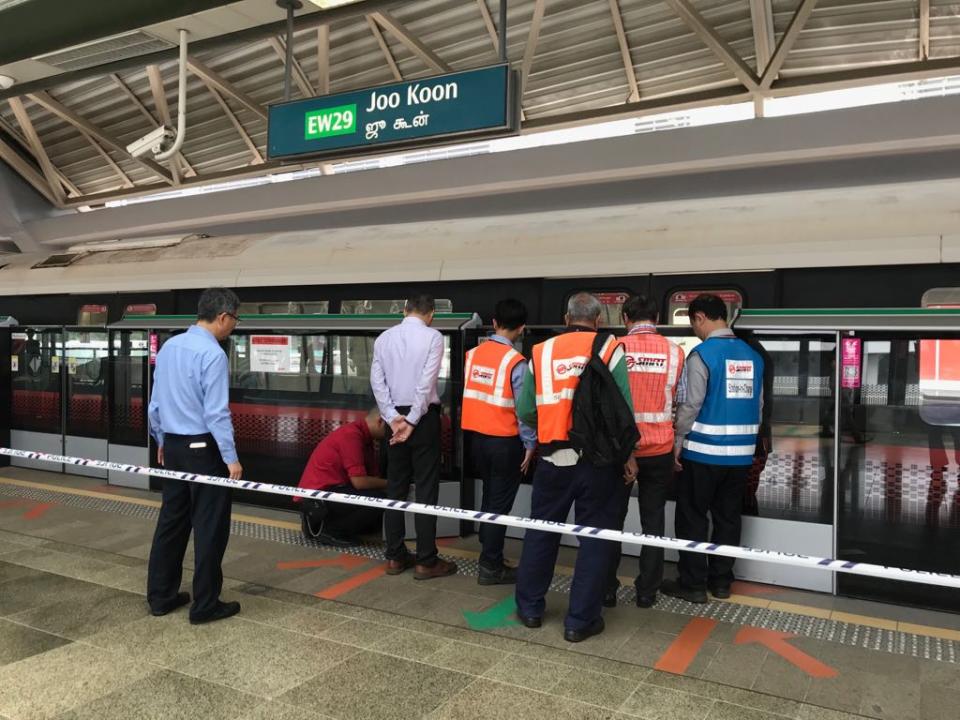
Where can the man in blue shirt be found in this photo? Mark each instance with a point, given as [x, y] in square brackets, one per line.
[190, 422]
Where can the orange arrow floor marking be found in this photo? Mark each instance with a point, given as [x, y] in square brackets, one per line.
[341, 588]
[38, 510]
[776, 642]
[684, 649]
[347, 562]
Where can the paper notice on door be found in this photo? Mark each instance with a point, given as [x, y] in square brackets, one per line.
[270, 353]
[14, 363]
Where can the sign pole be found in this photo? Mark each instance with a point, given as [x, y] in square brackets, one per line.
[502, 31]
[290, 6]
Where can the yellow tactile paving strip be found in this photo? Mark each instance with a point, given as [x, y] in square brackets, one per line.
[749, 600]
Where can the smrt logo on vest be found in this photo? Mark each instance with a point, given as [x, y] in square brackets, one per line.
[482, 375]
[740, 369]
[569, 367]
[646, 362]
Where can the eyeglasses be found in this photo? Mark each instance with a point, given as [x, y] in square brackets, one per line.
[235, 318]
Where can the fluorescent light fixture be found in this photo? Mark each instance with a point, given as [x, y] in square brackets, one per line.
[327, 4]
[133, 244]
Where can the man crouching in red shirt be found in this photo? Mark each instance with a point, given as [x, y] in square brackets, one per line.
[344, 462]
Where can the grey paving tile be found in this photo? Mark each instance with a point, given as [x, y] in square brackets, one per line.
[274, 710]
[9, 571]
[727, 711]
[18, 642]
[370, 686]
[653, 702]
[22, 539]
[572, 657]
[410, 644]
[937, 703]
[736, 665]
[465, 657]
[815, 712]
[42, 686]
[260, 609]
[358, 633]
[80, 568]
[166, 695]
[96, 611]
[843, 692]
[489, 700]
[759, 701]
[168, 640]
[846, 657]
[308, 621]
[644, 648]
[594, 688]
[899, 700]
[266, 661]
[38, 588]
[93, 554]
[527, 672]
[779, 678]
[941, 674]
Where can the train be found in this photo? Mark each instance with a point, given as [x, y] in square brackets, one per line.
[866, 448]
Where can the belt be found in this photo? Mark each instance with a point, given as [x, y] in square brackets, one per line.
[187, 438]
[404, 409]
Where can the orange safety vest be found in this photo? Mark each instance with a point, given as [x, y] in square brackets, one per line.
[488, 402]
[653, 368]
[558, 364]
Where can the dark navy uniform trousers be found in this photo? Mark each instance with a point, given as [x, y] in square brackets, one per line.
[596, 495]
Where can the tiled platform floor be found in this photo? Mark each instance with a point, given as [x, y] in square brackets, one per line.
[76, 641]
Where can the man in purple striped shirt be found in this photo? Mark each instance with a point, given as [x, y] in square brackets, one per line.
[404, 374]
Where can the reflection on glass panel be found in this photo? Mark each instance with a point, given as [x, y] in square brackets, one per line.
[86, 364]
[35, 365]
[386, 307]
[679, 302]
[128, 367]
[92, 315]
[900, 464]
[310, 307]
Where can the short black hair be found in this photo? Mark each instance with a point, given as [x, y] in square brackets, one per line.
[640, 307]
[710, 305]
[420, 303]
[216, 300]
[510, 314]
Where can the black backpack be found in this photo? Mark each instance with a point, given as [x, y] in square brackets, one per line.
[604, 429]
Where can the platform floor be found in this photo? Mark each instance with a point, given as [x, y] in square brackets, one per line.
[325, 634]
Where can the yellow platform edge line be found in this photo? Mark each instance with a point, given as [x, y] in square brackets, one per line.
[882, 623]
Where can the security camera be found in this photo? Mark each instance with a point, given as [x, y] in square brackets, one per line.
[153, 142]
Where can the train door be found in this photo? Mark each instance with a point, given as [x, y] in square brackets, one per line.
[127, 393]
[36, 417]
[85, 372]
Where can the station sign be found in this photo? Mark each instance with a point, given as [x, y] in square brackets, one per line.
[462, 105]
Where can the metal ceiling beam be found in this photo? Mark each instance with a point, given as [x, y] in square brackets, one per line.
[625, 51]
[413, 44]
[533, 38]
[797, 23]
[695, 21]
[251, 145]
[924, 29]
[132, 96]
[214, 79]
[764, 39]
[488, 24]
[72, 190]
[862, 77]
[307, 21]
[117, 170]
[299, 76]
[384, 48]
[323, 59]
[88, 128]
[48, 168]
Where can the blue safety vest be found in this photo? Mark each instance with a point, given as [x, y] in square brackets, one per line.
[725, 432]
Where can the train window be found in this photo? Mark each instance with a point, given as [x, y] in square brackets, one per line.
[92, 315]
[386, 307]
[611, 302]
[141, 309]
[679, 302]
[939, 367]
[312, 307]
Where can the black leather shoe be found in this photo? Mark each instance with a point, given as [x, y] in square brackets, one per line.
[646, 601]
[610, 597]
[721, 592]
[178, 602]
[575, 636]
[675, 589]
[222, 612]
[530, 622]
[503, 575]
[335, 541]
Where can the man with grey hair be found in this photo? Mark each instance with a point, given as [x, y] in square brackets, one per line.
[563, 479]
[191, 424]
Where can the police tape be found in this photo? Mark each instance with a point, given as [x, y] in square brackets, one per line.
[524, 523]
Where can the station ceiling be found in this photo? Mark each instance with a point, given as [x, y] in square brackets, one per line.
[80, 98]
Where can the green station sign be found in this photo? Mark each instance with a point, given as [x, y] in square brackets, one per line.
[463, 105]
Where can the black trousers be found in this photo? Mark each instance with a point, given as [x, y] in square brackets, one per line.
[415, 461]
[653, 482]
[497, 462]
[718, 490]
[203, 508]
[595, 495]
[339, 519]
